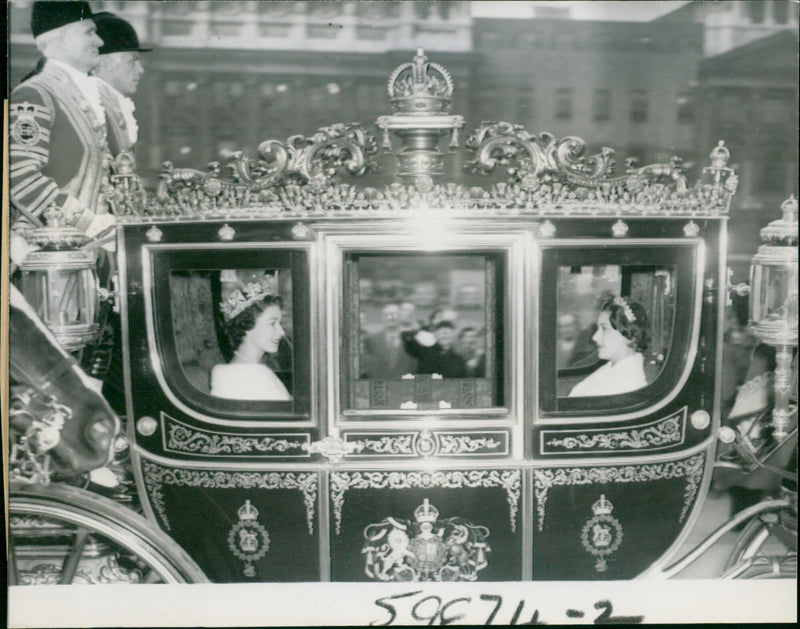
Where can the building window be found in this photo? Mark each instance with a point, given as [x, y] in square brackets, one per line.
[776, 109]
[685, 107]
[564, 103]
[730, 108]
[488, 39]
[602, 104]
[231, 7]
[377, 10]
[638, 105]
[179, 8]
[486, 100]
[756, 11]
[771, 172]
[275, 9]
[780, 12]
[526, 111]
[566, 41]
[323, 9]
[422, 10]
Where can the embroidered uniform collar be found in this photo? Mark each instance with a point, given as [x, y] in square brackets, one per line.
[126, 107]
[85, 84]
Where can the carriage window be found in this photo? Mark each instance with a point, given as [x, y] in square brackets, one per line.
[612, 336]
[233, 330]
[426, 331]
[614, 328]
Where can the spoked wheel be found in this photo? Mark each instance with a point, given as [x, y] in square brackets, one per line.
[60, 535]
[766, 548]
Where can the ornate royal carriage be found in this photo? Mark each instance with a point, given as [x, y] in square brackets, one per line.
[499, 475]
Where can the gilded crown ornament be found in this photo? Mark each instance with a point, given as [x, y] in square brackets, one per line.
[426, 512]
[420, 93]
[602, 506]
[420, 87]
[247, 512]
[239, 300]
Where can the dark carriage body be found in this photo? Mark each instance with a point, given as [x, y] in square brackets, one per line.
[497, 475]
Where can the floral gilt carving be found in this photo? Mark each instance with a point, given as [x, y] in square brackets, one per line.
[342, 482]
[308, 160]
[529, 156]
[690, 469]
[157, 476]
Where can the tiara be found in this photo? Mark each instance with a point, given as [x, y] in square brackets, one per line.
[252, 292]
[620, 301]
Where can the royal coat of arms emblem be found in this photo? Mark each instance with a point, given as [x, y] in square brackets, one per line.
[248, 539]
[602, 534]
[426, 548]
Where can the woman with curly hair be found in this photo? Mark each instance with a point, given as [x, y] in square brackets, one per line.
[252, 323]
[621, 339]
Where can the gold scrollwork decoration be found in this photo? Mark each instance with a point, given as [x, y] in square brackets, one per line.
[656, 435]
[331, 447]
[465, 444]
[567, 183]
[342, 482]
[691, 469]
[387, 444]
[156, 476]
[530, 157]
[308, 160]
[182, 439]
[427, 443]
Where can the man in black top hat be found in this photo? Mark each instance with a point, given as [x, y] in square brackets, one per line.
[58, 149]
[118, 74]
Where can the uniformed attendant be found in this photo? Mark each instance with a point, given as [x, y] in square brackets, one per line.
[118, 75]
[59, 152]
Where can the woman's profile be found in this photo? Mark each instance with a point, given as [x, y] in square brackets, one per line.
[621, 339]
[252, 323]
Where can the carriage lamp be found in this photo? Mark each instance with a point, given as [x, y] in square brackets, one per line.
[59, 281]
[773, 304]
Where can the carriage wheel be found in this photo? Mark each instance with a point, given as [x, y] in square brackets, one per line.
[60, 534]
[764, 549]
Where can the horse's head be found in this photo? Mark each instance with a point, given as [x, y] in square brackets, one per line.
[61, 412]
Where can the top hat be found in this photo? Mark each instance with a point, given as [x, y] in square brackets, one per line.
[47, 16]
[117, 34]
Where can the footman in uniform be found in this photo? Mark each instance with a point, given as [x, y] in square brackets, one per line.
[59, 154]
[118, 75]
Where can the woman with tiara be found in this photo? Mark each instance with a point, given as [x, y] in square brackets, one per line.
[621, 339]
[252, 323]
